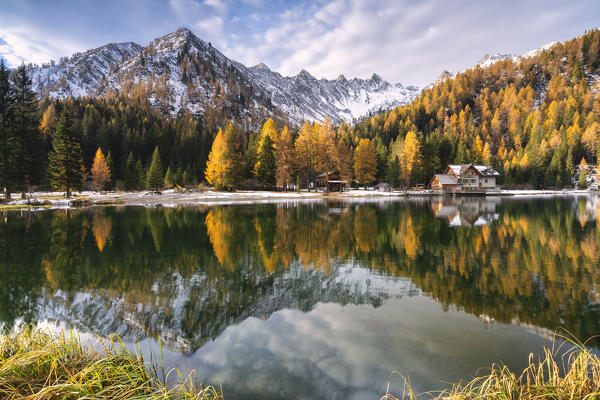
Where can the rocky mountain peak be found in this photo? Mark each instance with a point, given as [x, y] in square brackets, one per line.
[194, 75]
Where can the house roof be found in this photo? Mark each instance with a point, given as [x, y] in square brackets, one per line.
[486, 170]
[446, 179]
[383, 185]
[326, 174]
[483, 170]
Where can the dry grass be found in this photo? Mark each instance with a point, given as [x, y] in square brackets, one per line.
[568, 372]
[37, 364]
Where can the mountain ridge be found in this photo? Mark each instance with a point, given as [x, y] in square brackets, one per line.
[182, 71]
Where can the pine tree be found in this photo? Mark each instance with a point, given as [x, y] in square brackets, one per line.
[394, 172]
[28, 159]
[65, 164]
[131, 178]
[6, 132]
[154, 176]
[188, 177]
[233, 154]
[179, 176]
[169, 179]
[365, 162]
[140, 175]
[100, 171]
[285, 159]
[570, 166]
[265, 165]
[582, 182]
[111, 169]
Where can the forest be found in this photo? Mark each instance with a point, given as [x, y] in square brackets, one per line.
[534, 120]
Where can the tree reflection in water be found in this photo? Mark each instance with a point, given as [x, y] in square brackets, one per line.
[188, 273]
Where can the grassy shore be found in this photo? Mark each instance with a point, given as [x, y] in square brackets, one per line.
[37, 364]
[570, 372]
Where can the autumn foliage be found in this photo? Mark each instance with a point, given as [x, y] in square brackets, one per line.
[100, 171]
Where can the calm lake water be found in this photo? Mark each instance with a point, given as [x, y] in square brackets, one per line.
[318, 300]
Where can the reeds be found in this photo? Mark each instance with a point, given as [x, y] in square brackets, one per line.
[569, 372]
[38, 364]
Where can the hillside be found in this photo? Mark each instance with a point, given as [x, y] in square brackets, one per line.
[534, 117]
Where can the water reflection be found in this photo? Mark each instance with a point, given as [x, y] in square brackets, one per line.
[466, 211]
[196, 276]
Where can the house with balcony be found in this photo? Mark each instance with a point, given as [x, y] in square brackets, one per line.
[466, 178]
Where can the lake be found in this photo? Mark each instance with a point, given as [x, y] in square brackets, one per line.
[314, 300]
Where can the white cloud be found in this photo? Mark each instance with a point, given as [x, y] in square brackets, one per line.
[23, 45]
[402, 40]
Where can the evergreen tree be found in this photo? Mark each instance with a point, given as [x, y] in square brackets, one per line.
[179, 176]
[582, 182]
[169, 179]
[265, 164]
[394, 172]
[462, 156]
[28, 163]
[100, 171]
[65, 164]
[109, 163]
[188, 177]
[131, 177]
[570, 167]
[6, 133]
[154, 176]
[140, 175]
[235, 159]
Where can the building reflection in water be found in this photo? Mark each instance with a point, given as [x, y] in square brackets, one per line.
[466, 211]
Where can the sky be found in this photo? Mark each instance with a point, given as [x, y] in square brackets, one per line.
[405, 41]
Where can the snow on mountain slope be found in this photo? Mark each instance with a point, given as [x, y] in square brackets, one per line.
[309, 98]
[179, 71]
[83, 73]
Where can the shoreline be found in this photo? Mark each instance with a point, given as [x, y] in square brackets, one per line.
[174, 198]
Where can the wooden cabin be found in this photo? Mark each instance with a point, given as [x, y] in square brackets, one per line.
[330, 182]
[445, 182]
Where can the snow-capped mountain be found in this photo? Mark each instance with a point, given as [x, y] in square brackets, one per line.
[83, 73]
[341, 99]
[179, 71]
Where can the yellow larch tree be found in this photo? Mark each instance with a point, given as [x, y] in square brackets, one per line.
[365, 162]
[217, 164]
[269, 128]
[305, 152]
[285, 159]
[100, 171]
[412, 159]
